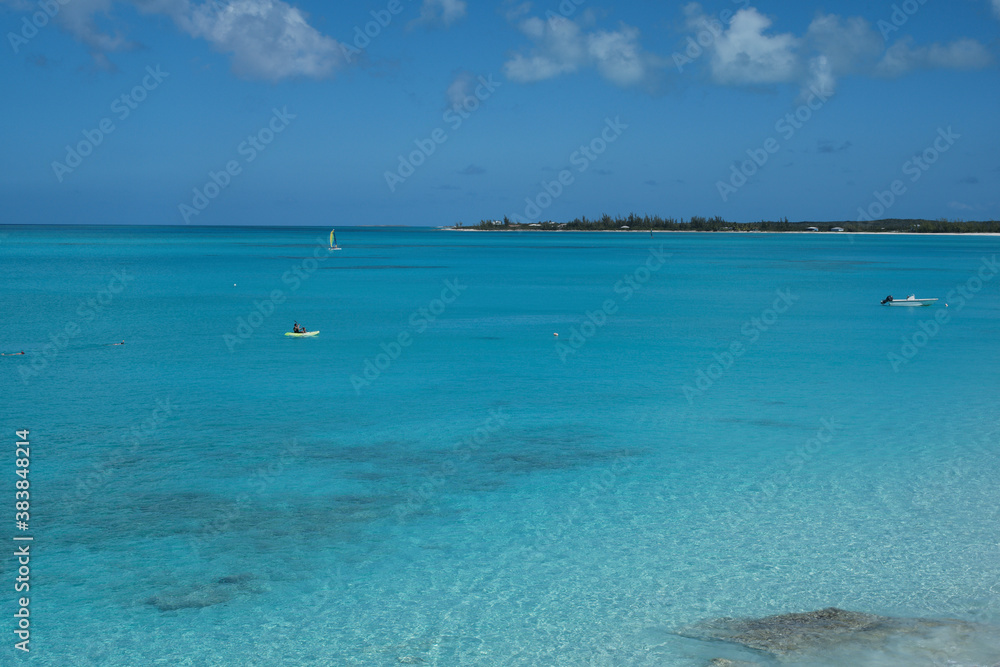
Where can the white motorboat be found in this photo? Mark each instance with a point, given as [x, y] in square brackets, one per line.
[908, 301]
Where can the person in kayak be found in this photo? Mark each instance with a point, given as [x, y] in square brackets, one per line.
[297, 329]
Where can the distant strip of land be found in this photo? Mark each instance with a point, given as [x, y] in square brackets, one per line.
[635, 223]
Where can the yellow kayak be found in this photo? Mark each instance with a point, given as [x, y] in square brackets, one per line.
[301, 335]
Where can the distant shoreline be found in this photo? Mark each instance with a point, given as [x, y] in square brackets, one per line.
[696, 223]
[708, 231]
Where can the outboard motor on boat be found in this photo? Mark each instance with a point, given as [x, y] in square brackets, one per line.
[886, 299]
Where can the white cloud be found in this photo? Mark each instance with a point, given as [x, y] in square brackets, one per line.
[513, 12]
[618, 55]
[902, 58]
[77, 18]
[460, 89]
[746, 53]
[562, 46]
[743, 54]
[960, 54]
[441, 12]
[849, 45]
[267, 39]
[821, 76]
[839, 47]
[559, 49]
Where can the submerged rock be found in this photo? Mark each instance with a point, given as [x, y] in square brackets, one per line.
[835, 634]
[194, 598]
[221, 590]
[787, 632]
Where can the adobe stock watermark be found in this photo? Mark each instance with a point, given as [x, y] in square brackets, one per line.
[249, 149]
[40, 19]
[711, 30]
[627, 286]
[751, 331]
[381, 18]
[581, 158]
[87, 310]
[262, 310]
[915, 167]
[427, 146]
[597, 484]
[363, 36]
[420, 495]
[901, 13]
[260, 480]
[786, 126]
[935, 486]
[566, 9]
[794, 461]
[928, 329]
[136, 435]
[419, 321]
[122, 106]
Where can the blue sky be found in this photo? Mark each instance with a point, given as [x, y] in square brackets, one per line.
[131, 112]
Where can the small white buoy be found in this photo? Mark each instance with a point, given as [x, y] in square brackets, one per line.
[945, 305]
[556, 335]
[234, 284]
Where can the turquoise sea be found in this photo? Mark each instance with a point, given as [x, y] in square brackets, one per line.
[727, 425]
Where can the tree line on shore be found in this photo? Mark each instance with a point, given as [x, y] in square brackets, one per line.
[698, 223]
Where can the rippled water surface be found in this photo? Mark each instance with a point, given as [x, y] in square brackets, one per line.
[726, 425]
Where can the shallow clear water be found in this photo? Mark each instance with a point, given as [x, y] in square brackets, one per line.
[493, 494]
